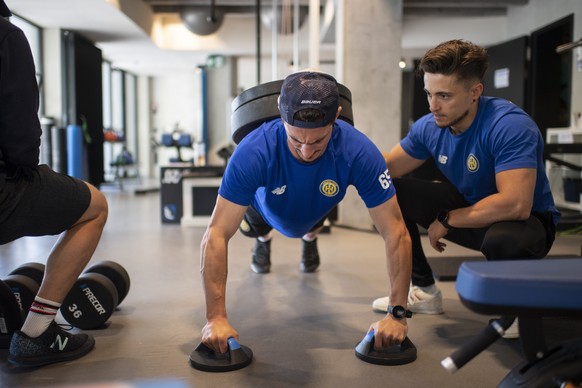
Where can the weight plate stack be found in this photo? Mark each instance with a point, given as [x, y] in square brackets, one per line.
[258, 104]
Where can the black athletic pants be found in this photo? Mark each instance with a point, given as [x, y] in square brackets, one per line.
[420, 202]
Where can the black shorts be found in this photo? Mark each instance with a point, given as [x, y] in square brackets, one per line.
[254, 225]
[40, 204]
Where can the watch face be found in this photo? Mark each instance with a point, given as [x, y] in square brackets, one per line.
[398, 312]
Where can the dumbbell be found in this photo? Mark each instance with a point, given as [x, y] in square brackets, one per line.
[17, 292]
[95, 295]
[24, 281]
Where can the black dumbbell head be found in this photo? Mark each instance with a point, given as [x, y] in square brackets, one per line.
[90, 302]
[11, 316]
[34, 271]
[24, 290]
[116, 273]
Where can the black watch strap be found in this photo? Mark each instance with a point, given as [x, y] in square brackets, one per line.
[443, 218]
[399, 312]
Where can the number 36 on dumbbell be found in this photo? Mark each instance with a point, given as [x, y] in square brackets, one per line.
[96, 295]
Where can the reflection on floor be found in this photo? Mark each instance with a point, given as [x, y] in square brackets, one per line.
[301, 327]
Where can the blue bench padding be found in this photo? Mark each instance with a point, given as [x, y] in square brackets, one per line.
[554, 284]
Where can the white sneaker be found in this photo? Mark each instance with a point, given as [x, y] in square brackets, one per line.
[419, 301]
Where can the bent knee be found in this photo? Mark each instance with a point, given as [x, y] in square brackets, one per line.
[506, 246]
[98, 207]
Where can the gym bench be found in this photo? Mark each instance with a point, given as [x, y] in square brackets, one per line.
[529, 290]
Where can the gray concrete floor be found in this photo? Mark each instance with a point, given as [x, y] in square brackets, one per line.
[301, 327]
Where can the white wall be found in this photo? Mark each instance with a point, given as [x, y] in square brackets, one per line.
[422, 33]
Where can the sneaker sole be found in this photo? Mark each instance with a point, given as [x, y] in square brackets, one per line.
[33, 362]
[311, 269]
[259, 270]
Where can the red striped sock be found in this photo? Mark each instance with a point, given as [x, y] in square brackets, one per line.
[42, 312]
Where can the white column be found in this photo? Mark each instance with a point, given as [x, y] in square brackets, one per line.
[372, 31]
[314, 34]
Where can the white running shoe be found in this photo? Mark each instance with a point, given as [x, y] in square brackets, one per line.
[419, 301]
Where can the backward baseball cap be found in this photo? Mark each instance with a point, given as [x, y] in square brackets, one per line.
[309, 89]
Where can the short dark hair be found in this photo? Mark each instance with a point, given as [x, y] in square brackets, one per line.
[309, 115]
[461, 58]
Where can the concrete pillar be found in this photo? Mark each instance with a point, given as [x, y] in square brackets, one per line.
[52, 74]
[371, 50]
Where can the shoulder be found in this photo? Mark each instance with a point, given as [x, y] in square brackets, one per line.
[348, 136]
[423, 130]
[424, 124]
[263, 137]
[7, 28]
[507, 125]
[499, 114]
[497, 108]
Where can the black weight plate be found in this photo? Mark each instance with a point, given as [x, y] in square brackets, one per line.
[116, 273]
[274, 87]
[24, 290]
[205, 359]
[90, 302]
[404, 353]
[251, 115]
[32, 270]
[258, 104]
[257, 92]
[11, 317]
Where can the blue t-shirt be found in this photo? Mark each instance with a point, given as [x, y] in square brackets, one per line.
[502, 137]
[292, 196]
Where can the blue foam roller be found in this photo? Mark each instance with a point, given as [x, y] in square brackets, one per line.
[75, 151]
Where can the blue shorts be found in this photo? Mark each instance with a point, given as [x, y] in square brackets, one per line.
[41, 203]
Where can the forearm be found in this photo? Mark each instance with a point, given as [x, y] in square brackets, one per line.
[214, 270]
[512, 201]
[399, 262]
[489, 210]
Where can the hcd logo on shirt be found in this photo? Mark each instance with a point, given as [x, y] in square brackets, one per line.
[328, 188]
[472, 163]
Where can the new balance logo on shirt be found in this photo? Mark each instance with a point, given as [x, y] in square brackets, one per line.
[279, 190]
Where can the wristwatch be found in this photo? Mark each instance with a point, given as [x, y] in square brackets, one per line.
[399, 312]
[443, 217]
